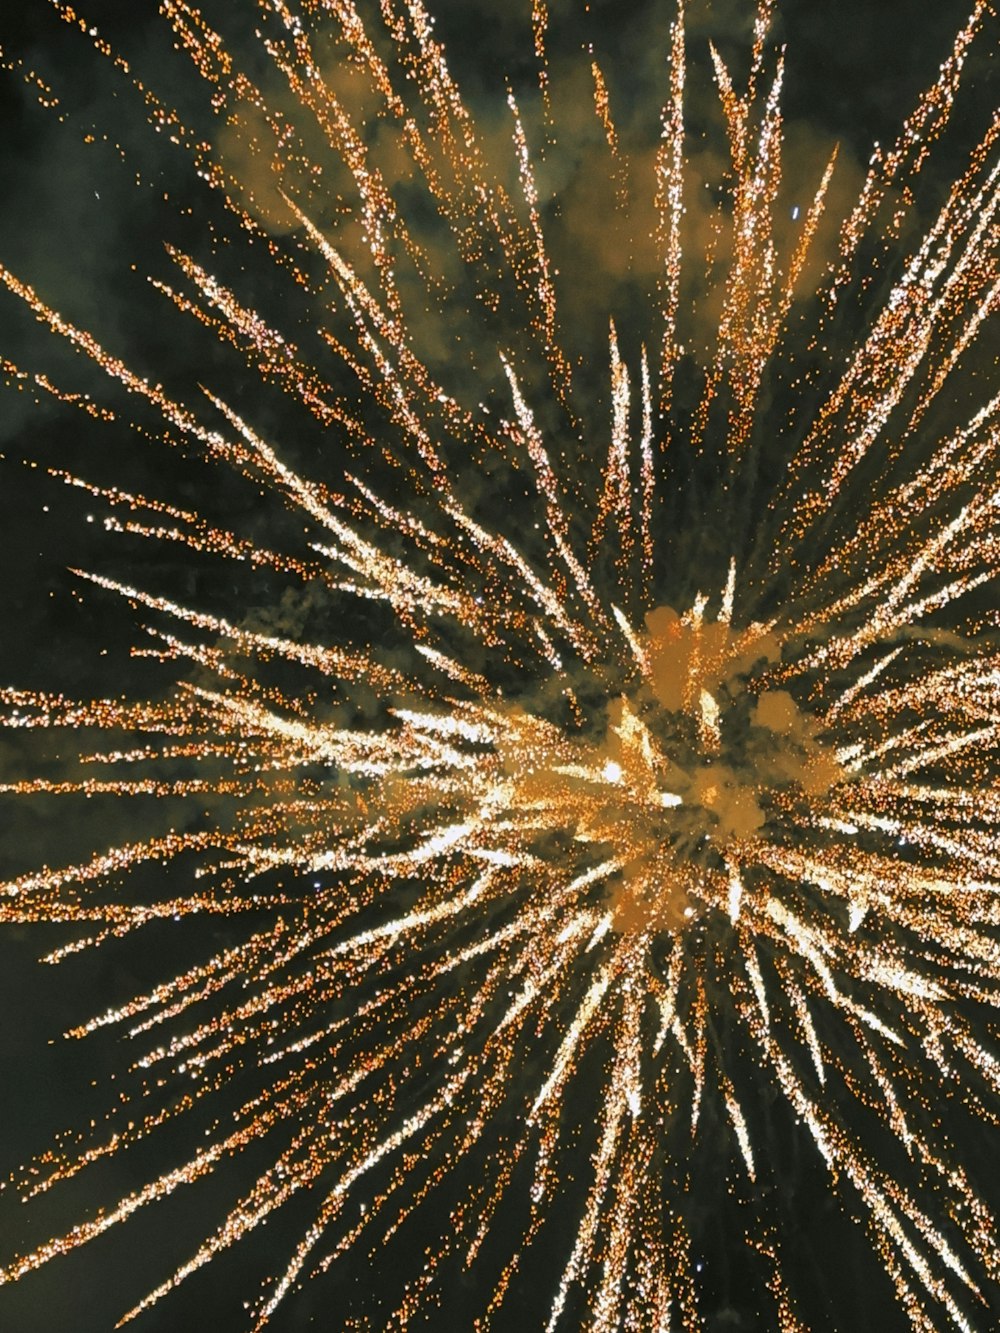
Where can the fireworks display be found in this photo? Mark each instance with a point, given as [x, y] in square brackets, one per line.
[570, 763]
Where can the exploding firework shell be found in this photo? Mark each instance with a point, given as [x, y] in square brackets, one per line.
[529, 851]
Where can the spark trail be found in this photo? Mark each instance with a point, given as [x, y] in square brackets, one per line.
[539, 822]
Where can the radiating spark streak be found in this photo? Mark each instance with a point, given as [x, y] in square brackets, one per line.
[539, 30]
[743, 346]
[900, 342]
[549, 488]
[669, 209]
[638, 652]
[911, 149]
[589, 1006]
[199, 1165]
[606, 1153]
[735, 896]
[602, 104]
[859, 686]
[740, 1128]
[647, 476]
[560, 369]
[616, 498]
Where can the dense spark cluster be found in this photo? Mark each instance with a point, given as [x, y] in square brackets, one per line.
[569, 832]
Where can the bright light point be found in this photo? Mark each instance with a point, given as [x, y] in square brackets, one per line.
[612, 772]
[668, 799]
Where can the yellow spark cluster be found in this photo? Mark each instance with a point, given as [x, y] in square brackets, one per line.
[567, 826]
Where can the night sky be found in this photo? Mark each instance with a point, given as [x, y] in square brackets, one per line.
[75, 225]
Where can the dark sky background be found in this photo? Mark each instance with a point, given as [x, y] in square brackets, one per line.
[74, 224]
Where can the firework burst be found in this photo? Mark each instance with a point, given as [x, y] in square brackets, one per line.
[603, 770]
